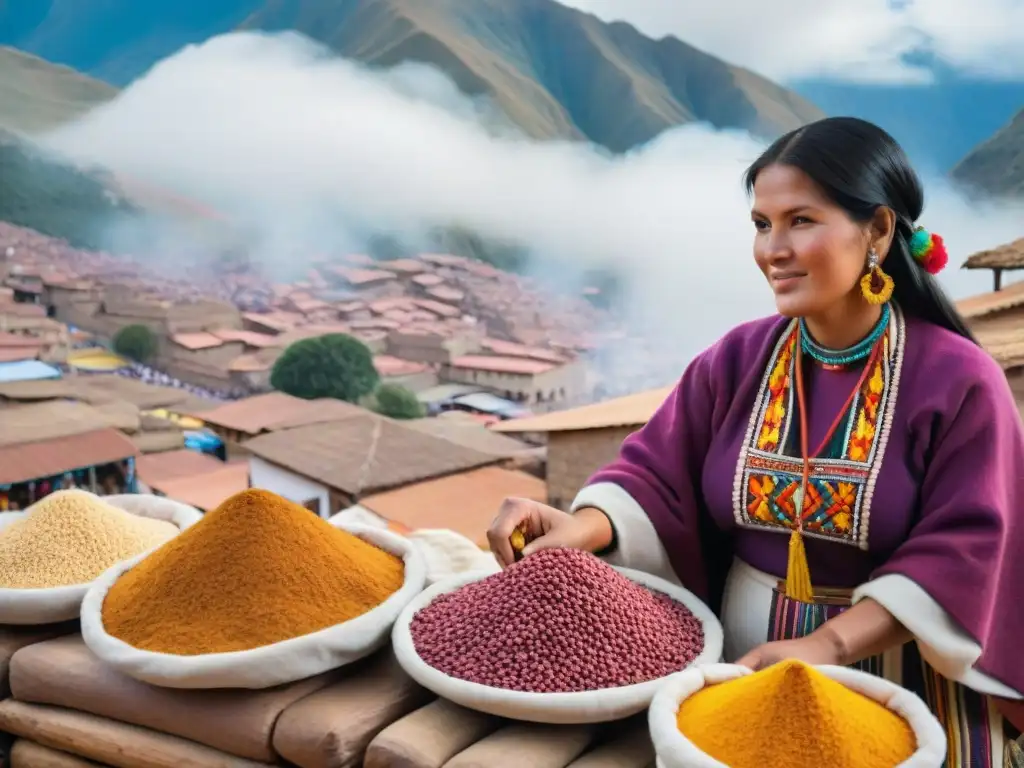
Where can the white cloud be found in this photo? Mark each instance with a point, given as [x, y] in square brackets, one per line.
[268, 130]
[879, 41]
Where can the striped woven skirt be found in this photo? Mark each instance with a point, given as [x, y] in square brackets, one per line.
[755, 611]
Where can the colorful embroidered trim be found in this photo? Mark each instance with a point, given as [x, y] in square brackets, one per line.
[928, 250]
[841, 485]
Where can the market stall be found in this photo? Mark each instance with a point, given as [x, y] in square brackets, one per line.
[262, 635]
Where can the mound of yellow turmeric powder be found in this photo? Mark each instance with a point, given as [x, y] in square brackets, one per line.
[792, 715]
[257, 570]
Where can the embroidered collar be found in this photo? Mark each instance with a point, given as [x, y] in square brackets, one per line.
[842, 483]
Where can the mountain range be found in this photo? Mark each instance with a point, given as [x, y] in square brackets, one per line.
[997, 165]
[554, 71]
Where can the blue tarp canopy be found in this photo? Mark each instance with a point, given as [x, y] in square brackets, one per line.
[27, 370]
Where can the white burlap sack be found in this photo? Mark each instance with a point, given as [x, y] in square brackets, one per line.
[674, 750]
[270, 665]
[44, 606]
[559, 708]
[445, 552]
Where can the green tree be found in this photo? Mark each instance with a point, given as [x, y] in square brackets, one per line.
[335, 365]
[397, 402]
[135, 342]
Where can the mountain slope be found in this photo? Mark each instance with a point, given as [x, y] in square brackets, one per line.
[54, 198]
[554, 71]
[36, 95]
[997, 165]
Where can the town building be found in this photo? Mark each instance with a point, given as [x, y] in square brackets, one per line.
[582, 440]
[50, 446]
[330, 466]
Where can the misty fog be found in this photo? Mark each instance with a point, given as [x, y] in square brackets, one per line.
[312, 153]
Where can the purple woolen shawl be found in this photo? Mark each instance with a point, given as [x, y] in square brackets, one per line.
[957, 445]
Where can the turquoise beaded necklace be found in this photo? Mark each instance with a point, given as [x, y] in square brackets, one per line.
[837, 358]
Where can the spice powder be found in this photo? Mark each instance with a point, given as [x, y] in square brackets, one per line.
[792, 715]
[257, 570]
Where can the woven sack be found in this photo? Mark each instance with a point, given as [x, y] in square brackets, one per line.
[53, 604]
[559, 708]
[269, 665]
[674, 750]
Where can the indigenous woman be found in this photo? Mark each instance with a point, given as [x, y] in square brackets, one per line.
[842, 478]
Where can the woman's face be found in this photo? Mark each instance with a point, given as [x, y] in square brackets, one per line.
[812, 253]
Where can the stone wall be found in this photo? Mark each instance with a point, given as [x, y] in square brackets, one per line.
[573, 456]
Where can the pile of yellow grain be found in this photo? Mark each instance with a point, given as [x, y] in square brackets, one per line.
[71, 537]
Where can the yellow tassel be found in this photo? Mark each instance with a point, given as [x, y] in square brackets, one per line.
[798, 573]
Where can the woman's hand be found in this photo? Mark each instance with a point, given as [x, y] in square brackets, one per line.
[546, 527]
[815, 648]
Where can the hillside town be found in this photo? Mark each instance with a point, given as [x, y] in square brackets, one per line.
[500, 368]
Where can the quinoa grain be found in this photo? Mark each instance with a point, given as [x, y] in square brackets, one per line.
[71, 537]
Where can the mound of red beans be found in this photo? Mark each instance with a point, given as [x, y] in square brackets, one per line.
[558, 621]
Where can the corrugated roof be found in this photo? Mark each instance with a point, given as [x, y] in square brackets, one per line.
[47, 458]
[1009, 256]
[465, 502]
[989, 303]
[365, 454]
[27, 370]
[276, 410]
[628, 411]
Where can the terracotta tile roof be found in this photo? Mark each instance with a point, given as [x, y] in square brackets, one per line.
[387, 365]
[404, 266]
[439, 308]
[249, 338]
[46, 458]
[16, 354]
[365, 455]
[464, 502]
[428, 281]
[351, 306]
[1009, 256]
[631, 410]
[444, 259]
[380, 306]
[512, 349]
[249, 364]
[275, 321]
[363, 276]
[207, 490]
[515, 365]
[276, 410]
[174, 464]
[984, 304]
[444, 293]
[195, 341]
[17, 340]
